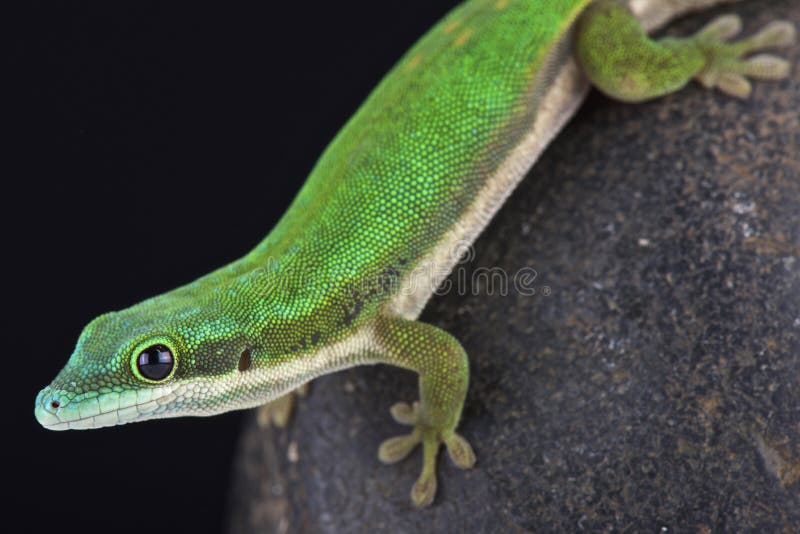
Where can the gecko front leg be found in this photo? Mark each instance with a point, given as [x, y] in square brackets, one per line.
[279, 411]
[443, 378]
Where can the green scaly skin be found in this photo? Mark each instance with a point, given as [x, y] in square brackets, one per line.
[415, 174]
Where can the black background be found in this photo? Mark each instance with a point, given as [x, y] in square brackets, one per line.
[150, 143]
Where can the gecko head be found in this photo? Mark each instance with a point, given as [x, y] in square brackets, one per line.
[142, 363]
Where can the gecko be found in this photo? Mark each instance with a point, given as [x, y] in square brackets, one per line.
[414, 175]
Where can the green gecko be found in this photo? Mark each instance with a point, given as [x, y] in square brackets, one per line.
[413, 176]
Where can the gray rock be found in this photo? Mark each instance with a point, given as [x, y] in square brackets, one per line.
[651, 384]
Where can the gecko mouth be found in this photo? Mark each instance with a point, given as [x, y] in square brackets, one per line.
[55, 411]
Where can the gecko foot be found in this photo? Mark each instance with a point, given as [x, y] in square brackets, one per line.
[395, 449]
[279, 411]
[728, 66]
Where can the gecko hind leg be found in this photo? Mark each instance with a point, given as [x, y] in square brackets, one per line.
[279, 411]
[623, 62]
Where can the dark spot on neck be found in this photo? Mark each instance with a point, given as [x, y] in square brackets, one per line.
[245, 360]
[350, 315]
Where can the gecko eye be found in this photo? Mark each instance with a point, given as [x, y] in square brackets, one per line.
[155, 362]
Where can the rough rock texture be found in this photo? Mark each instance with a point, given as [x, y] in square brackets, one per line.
[651, 384]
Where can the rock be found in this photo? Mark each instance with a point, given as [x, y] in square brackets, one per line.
[651, 384]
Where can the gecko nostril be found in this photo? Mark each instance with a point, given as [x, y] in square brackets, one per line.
[55, 405]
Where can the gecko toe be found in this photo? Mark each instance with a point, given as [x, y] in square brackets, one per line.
[734, 85]
[404, 413]
[460, 451]
[424, 490]
[397, 448]
[721, 28]
[776, 34]
[766, 67]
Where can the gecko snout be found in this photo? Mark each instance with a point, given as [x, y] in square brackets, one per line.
[48, 403]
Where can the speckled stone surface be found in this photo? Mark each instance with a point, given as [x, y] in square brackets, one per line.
[652, 383]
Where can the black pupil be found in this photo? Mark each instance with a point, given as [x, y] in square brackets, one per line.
[155, 362]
